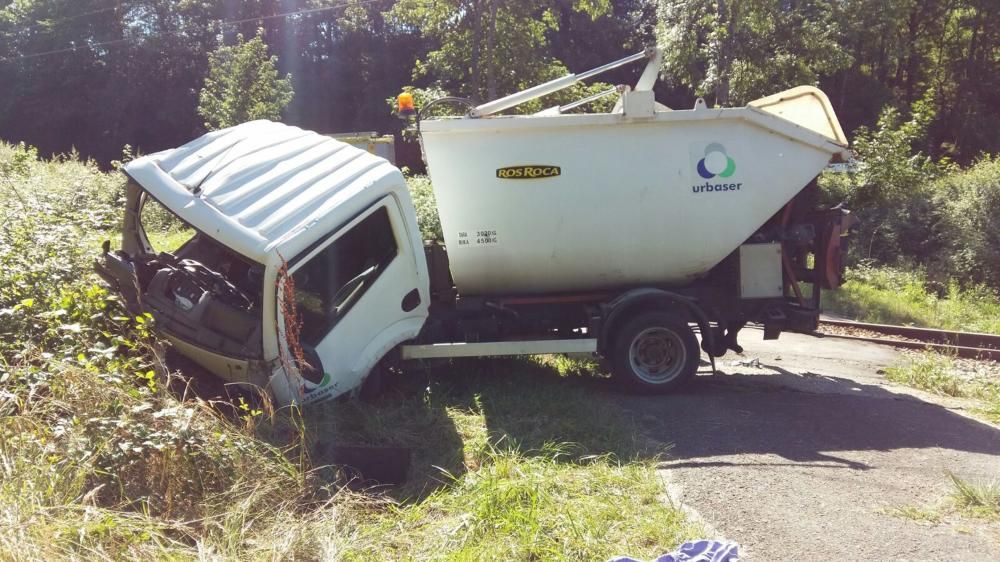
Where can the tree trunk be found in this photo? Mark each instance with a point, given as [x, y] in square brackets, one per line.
[908, 71]
[477, 39]
[491, 43]
[968, 74]
[725, 55]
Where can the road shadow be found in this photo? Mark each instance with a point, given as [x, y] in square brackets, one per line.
[528, 405]
[802, 418]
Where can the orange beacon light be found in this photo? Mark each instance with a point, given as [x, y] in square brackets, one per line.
[405, 106]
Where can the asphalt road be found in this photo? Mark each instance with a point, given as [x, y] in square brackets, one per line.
[806, 456]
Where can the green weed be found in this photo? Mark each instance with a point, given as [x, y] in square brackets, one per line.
[893, 296]
[978, 498]
[935, 373]
[425, 204]
[931, 372]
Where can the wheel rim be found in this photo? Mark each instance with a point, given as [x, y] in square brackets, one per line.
[657, 355]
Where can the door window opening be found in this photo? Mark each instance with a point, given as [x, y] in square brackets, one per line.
[329, 284]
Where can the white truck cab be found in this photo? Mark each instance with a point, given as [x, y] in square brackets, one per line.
[281, 214]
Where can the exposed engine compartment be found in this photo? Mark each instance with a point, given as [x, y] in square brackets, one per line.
[218, 307]
[204, 294]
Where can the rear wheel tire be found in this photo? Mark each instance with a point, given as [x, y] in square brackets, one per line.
[654, 353]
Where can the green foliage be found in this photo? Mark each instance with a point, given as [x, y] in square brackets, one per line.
[106, 454]
[512, 482]
[44, 205]
[914, 210]
[937, 373]
[165, 231]
[738, 51]
[970, 225]
[426, 206]
[889, 185]
[531, 508]
[97, 74]
[919, 514]
[932, 372]
[116, 73]
[243, 84]
[484, 50]
[888, 170]
[905, 296]
[978, 498]
[97, 456]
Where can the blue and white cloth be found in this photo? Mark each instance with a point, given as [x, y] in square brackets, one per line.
[696, 551]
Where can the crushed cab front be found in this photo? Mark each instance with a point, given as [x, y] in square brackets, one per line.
[204, 298]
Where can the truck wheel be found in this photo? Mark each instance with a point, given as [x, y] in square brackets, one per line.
[654, 353]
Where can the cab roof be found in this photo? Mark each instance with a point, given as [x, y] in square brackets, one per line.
[258, 186]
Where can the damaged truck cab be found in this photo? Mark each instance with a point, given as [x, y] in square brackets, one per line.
[313, 221]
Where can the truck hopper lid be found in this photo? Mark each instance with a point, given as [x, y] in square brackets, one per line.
[258, 186]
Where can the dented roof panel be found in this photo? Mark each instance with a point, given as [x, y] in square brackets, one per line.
[257, 186]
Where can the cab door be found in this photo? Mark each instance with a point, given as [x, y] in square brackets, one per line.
[357, 294]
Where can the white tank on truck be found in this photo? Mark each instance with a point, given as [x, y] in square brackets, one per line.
[643, 195]
[644, 236]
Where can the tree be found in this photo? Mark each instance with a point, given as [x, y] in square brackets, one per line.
[734, 51]
[98, 74]
[243, 84]
[485, 49]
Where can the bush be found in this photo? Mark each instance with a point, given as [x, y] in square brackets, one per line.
[970, 206]
[917, 213]
[426, 206]
[243, 84]
[97, 457]
[51, 218]
[889, 188]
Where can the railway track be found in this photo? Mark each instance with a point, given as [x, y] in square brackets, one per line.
[970, 345]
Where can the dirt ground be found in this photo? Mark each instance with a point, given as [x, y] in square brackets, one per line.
[807, 454]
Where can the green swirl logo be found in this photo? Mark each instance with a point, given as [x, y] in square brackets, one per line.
[716, 162]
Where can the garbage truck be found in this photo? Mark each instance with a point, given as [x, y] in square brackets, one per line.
[646, 236]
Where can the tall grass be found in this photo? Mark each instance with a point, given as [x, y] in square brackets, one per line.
[518, 507]
[896, 296]
[106, 454]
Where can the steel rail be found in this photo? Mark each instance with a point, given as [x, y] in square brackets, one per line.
[970, 345]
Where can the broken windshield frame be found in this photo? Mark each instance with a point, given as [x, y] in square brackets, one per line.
[199, 290]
